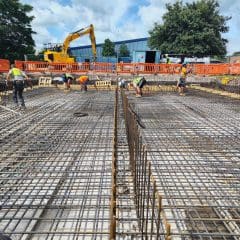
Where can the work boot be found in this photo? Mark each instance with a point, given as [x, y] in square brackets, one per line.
[16, 106]
[23, 107]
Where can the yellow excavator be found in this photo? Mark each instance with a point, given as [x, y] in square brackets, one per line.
[59, 54]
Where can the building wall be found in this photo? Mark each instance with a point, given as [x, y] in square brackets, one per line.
[235, 59]
[83, 53]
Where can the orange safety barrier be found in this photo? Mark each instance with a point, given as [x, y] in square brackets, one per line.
[217, 69]
[128, 68]
[32, 66]
[165, 68]
[199, 69]
[19, 64]
[125, 68]
[4, 65]
[80, 67]
[234, 68]
[104, 67]
[59, 67]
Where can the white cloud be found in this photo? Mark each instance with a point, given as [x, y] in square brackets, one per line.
[117, 20]
[149, 19]
[59, 20]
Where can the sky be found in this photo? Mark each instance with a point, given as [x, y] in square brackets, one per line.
[114, 19]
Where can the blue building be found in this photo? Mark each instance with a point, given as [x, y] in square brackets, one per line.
[138, 48]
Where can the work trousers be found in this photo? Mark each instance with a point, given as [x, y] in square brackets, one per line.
[18, 87]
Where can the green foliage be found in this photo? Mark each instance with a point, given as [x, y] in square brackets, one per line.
[15, 30]
[123, 51]
[108, 48]
[35, 57]
[194, 28]
[236, 54]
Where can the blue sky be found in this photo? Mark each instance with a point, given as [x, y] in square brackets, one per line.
[117, 19]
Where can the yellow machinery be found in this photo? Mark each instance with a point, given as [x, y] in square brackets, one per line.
[60, 54]
[225, 80]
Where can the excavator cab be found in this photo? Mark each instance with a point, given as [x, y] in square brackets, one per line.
[57, 57]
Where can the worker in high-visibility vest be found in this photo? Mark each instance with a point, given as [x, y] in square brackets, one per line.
[138, 83]
[67, 78]
[83, 80]
[181, 84]
[17, 77]
[167, 59]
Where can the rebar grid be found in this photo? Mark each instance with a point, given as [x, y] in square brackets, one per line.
[152, 222]
[193, 144]
[58, 170]
[127, 220]
[112, 234]
[55, 168]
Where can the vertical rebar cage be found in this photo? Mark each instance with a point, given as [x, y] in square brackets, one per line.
[151, 219]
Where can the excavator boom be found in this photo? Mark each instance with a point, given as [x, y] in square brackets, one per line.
[62, 56]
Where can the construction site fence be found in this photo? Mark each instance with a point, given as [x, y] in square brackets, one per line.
[122, 68]
[148, 201]
[4, 65]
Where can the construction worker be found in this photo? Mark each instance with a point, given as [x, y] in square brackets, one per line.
[121, 82]
[167, 59]
[181, 84]
[4, 237]
[17, 77]
[138, 83]
[67, 78]
[83, 80]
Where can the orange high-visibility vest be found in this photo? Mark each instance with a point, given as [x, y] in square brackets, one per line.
[83, 79]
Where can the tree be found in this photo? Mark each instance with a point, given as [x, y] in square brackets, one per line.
[123, 51]
[108, 48]
[15, 30]
[37, 56]
[236, 53]
[194, 28]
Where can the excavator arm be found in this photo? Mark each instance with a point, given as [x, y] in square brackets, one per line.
[62, 56]
[81, 32]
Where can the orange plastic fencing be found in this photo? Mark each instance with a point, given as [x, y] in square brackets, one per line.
[121, 68]
[103, 67]
[80, 67]
[125, 68]
[217, 69]
[4, 65]
[234, 68]
[199, 69]
[32, 66]
[148, 68]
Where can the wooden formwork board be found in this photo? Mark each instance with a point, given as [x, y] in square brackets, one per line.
[161, 88]
[45, 81]
[107, 87]
[104, 88]
[107, 83]
[90, 87]
[157, 88]
[214, 91]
